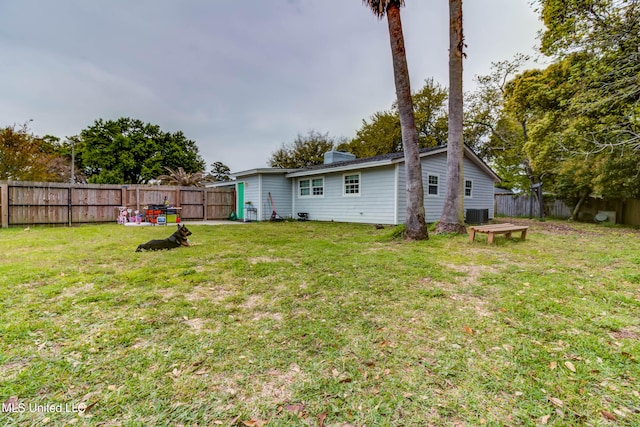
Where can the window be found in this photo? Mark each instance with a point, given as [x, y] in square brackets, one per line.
[304, 187]
[468, 186]
[311, 187]
[432, 189]
[317, 187]
[352, 185]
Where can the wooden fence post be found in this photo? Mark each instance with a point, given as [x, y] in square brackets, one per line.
[70, 204]
[204, 204]
[4, 207]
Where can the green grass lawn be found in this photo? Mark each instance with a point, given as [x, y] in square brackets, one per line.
[320, 324]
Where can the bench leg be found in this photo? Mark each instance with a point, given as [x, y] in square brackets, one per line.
[472, 234]
[490, 238]
[523, 235]
[507, 235]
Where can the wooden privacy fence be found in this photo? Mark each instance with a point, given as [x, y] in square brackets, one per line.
[510, 205]
[26, 203]
[626, 211]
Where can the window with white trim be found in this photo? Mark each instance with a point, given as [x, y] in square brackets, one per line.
[468, 188]
[311, 187]
[432, 185]
[352, 184]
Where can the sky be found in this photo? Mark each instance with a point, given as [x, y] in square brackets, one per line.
[238, 77]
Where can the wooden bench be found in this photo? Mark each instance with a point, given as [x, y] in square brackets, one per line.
[494, 229]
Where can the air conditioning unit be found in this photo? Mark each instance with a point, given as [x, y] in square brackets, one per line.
[477, 216]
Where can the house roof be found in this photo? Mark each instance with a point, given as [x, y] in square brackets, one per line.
[263, 171]
[500, 190]
[367, 162]
[221, 184]
[388, 159]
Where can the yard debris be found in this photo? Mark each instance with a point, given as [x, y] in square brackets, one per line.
[608, 415]
[321, 418]
[557, 402]
[255, 423]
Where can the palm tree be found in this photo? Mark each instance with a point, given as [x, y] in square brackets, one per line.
[182, 178]
[452, 219]
[416, 228]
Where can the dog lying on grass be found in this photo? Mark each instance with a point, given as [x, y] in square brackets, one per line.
[179, 238]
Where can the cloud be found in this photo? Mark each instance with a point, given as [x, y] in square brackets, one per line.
[238, 77]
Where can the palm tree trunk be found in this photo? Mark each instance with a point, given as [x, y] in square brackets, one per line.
[452, 219]
[416, 228]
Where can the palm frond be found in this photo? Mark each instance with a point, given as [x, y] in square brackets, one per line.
[379, 7]
[182, 178]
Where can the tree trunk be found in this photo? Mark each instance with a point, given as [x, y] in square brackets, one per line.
[576, 210]
[416, 227]
[452, 219]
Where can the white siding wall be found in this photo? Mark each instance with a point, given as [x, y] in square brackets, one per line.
[482, 194]
[482, 191]
[382, 197]
[401, 207]
[251, 191]
[375, 204]
[280, 188]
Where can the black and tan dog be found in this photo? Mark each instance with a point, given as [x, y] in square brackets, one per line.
[179, 238]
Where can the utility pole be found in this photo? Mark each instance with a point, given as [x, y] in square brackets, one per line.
[73, 162]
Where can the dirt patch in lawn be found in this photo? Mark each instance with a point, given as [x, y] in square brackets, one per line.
[277, 385]
[629, 333]
[268, 259]
[209, 293]
[462, 290]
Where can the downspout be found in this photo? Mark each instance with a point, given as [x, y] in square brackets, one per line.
[396, 173]
[259, 213]
[292, 182]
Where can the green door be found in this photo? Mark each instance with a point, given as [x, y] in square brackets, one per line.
[240, 200]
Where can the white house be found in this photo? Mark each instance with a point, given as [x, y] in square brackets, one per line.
[370, 190]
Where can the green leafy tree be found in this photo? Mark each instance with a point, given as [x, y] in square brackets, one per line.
[452, 218]
[306, 150]
[497, 131]
[573, 124]
[128, 151]
[605, 35]
[430, 111]
[595, 26]
[588, 139]
[484, 108]
[27, 157]
[219, 172]
[382, 133]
